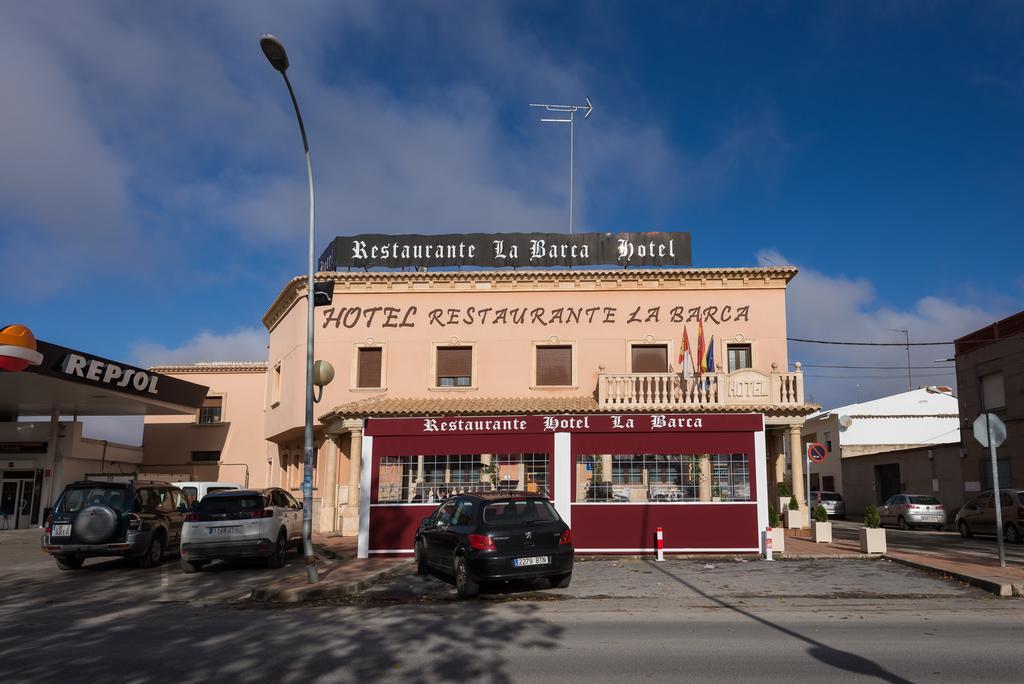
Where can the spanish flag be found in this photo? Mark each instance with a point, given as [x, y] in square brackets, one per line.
[685, 358]
[702, 358]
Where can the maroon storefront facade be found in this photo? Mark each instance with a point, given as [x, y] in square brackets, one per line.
[603, 473]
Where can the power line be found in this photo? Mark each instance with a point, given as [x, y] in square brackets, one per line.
[812, 365]
[871, 344]
[874, 377]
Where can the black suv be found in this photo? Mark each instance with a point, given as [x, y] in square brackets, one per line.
[492, 536]
[139, 519]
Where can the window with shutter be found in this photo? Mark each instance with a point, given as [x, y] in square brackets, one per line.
[650, 358]
[454, 366]
[211, 411]
[554, 365]
[739, 357]
[368, 371]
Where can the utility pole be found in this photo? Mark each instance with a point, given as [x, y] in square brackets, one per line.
[910, 377]
[571, 111]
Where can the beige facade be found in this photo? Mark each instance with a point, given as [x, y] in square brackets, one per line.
[404, 326]
[211, 445]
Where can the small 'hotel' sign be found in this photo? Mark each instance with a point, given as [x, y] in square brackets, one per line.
[508, 249]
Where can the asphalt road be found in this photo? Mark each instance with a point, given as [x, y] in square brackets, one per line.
[620, 620]
[936, 543]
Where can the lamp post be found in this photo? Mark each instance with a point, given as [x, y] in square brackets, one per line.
[278, 58]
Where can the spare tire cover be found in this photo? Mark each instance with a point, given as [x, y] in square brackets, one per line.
[95, 524]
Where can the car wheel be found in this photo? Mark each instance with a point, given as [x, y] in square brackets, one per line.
[1012, 534]
[188, 567]
[903, 525]
[464, 585]
[277, 558]
[964, 529]
[560, 581]
[154, 552]
[69, 562]
[421, 560]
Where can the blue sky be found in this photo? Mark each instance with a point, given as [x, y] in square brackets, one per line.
[152, 192]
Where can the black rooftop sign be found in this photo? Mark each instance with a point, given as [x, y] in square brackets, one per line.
[507, 249]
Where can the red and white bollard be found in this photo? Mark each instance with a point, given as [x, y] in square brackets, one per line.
[661, 544]
[768, 543]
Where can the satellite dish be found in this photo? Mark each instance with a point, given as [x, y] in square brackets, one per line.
[845, 421]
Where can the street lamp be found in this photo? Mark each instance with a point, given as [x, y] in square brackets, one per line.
[278, 58]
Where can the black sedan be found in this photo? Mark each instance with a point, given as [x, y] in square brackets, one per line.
[494, 536]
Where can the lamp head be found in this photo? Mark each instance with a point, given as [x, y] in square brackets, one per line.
[274, 50]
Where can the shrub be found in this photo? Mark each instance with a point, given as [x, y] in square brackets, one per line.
[820, 514]
[783, 489]
[793, 505]
[871, 518]
[773, 517]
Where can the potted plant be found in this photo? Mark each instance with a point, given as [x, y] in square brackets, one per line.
[794, 519]
[778, 533]
[784, 494]
[822, 528]
[872, 536]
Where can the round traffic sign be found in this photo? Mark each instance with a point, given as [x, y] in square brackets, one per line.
[816, 452]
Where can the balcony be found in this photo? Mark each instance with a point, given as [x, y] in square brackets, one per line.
[745, 387]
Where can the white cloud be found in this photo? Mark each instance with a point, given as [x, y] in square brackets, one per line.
[825, 307]
[244, 344]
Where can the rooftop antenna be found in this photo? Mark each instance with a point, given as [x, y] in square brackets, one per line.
[569, 110]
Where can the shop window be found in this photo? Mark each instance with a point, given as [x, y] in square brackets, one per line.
[433, 478]
[554, 365]
[662, 478]
[368, 368]
[649, 358]
[739, 357]
[993, 394]
[454, 366]
[205, 456]
[211, 411]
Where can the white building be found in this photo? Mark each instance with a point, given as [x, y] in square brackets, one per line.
[927, 416]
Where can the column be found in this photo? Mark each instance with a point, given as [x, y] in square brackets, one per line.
[350, 514]
[797, 462]
[778, 446]
[705, 478]
[329, 483]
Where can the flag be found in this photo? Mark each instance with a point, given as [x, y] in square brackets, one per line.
[701, 358]
[685, 359]
[711, 355]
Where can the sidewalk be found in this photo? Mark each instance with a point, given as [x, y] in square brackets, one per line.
[1008, 581]
[340, 573]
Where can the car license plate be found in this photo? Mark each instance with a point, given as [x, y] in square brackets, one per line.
[213, 531]
[532, 560]
[61, 531]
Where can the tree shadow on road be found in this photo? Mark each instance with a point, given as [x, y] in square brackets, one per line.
[843, 660]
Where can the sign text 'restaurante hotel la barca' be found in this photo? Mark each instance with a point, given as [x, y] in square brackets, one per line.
[507, 249]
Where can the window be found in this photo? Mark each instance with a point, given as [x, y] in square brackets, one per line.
[275, 387]
[206, 456]
[662, 477]
[739, 357]
[432, 478]
[191, 494]
[447, 512]
[454, 366]
[993, 395]
[554, 365]
[464, 516]
[211, 411]
[649, 358]
[368, 368]
[1002, 469]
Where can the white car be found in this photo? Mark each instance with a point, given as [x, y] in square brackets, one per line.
[195, 491]
[241, 523]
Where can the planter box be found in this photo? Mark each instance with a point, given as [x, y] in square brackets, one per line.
[822, 532]
[794, 519]
[872, 540]
[778, 540]
[783, 504]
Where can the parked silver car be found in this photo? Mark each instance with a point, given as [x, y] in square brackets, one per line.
[832, 501]
[908, 511]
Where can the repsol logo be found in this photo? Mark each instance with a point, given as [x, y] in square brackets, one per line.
[109, 373]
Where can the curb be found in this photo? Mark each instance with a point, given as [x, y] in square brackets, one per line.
[325, 589]
[990, 585]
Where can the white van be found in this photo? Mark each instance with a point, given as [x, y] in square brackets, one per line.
[195, 491]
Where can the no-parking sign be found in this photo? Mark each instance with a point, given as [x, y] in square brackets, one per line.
[816, 452]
